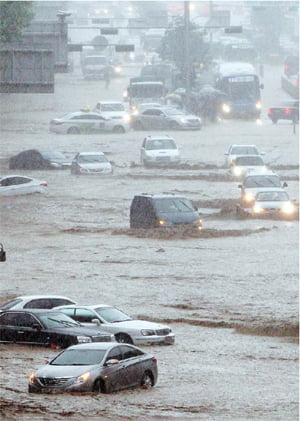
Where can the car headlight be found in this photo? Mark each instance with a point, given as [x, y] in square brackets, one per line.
[83, 339]
[83, 378]
[117, 69]
[226, 108]
[249, 197]
[162, 222]
[257, 209]
[147, 332]
[126, 118]
[258, 105]
[83, 169]
[288, 208]
[183, 120]
[198, 222]
[237, 171]
[32, 378]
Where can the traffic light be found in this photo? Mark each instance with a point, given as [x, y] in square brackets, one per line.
[233, 30]
[124, 48]
[109, 31]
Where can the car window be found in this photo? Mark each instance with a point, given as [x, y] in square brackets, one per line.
[60, 302]
[83, 315]
[12, 181]
[115, 354]
[249, 160]
[154, 144]
[26, 320]
[68, 311]
[112, 314]
[129, 352]
[262, 181]
[247, 150]
[79, 357]
[149, 112]
[9, 319]
[272, 196]
[45, 303]
[170, 205]
[10, 304]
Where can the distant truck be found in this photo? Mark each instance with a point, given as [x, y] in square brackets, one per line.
[142, 89]
[95, 67]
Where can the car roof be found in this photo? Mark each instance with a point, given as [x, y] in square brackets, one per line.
[92, 306]
[91, 153]
[161, 196]
[16, 175]
[96, 345]
[32, 310]
[246, 146]
[34, 297]
[158, 137]
[110, 102]
[264, 174]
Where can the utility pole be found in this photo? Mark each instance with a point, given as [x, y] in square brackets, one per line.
[187, 61]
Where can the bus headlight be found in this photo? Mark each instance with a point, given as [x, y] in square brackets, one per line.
[226, 108]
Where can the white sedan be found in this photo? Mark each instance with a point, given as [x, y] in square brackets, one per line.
[91, 163]
[13, 185]
[236, 150]
[275, 202]
[125, 329]
[87, 122]
[245, 164]
[159, 151]
[36, 301]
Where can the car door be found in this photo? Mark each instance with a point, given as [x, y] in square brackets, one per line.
[30, 330]
[148, 118]
[133, 367]
[115, 374]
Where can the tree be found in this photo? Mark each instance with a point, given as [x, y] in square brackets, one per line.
[173, 46]
[14, 17]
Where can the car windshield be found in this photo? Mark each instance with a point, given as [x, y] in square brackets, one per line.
[262, 181]
[271, 196]
[57, 320]
[112, 107]
[249, 160]
[10, 304]
[244, 150]
[172, 111]
[54, 155]
[88, 159]
[172, 205]
[112, 315]
[154, 144]
[79, 357]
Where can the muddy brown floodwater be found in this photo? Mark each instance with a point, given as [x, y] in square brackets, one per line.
[230, 292]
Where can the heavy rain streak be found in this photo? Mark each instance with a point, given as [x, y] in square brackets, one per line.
[149, 161]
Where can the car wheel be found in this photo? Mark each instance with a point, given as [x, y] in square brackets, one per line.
[118, 129]
[73, 130]
[123, 338]
[32, 389]
[99, 386]
[274, 120]
[146, 164]
[174, 125]
[147, 380]
[138, 125]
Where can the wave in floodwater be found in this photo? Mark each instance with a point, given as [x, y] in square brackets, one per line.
[184, 232]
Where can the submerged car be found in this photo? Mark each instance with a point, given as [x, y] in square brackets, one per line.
[245, 164]
[237, 150]
[285, 110]
[91, 163]
[36, 301]
[159, 151]
[102, 368]
[165, 118]
[163, 210]
[255, 183]
[13, 185]
[114, 110]
[86, 122]
[35, 159]
[125, 329]
[268, 203]
[46, 328]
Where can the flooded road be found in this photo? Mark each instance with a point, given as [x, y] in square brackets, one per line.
[230, 293]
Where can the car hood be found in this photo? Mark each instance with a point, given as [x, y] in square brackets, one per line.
[139, 324]
[275, 204]
[80, 330]
[255, 190]
[113, 114]
[63, 371]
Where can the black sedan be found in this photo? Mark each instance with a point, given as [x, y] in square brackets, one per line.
[46, 328]
[104, 368]
[34, 159]
[285, 110]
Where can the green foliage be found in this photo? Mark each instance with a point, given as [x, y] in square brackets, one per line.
[173, 46]
[14, 17]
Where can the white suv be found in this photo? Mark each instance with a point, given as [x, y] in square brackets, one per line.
[159, 151]
[114, 110]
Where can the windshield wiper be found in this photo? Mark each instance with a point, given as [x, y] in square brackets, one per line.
[63, 322]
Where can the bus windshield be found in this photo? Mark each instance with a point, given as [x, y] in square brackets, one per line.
[239, 87]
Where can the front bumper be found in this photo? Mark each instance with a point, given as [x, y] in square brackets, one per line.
[155, 340]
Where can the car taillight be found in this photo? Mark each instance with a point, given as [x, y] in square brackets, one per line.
[154, 359]
[44, 184]
[287, 111]
[270, 111]
[57, 123]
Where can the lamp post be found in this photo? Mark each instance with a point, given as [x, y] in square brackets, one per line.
[187, 62]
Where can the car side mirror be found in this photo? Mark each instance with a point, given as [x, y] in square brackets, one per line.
[96, 321]
[111, 362]
[284, 184]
